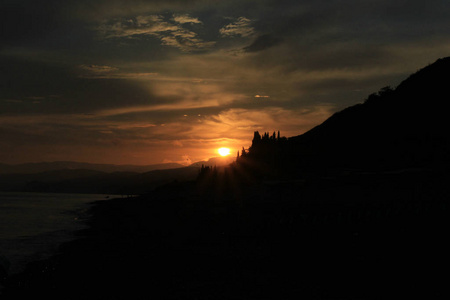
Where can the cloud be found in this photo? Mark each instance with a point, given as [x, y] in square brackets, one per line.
[239, 28]
[120, 75]
[163, 107]
[96, 69]
[183, 19]
[109, 72]
[106, 9]
[137, 26]
[29, 20]
[239, 122]
[186, 41]
[170, 31]
[177, 143]
[179, 96]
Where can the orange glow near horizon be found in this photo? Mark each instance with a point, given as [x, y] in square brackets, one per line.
[224, 151]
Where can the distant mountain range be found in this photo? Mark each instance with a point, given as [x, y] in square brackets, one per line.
[96, 182]
[31, 168]
[76, 177]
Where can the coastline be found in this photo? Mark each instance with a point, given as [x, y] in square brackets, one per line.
[72, 261]
[34, 225]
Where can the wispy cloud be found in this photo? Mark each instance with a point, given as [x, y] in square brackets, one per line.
[162, 107]
[96, 69]
[238, 122]
[109, 72]
[171, 31]
[186, 41]
[183, 19]
[239, 28]
[140, 25]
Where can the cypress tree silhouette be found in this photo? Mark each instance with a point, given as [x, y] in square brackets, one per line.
[244, 154]
[256, 138]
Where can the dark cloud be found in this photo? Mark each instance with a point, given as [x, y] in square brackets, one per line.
[97, 10]
[24, 20]
[63, 89]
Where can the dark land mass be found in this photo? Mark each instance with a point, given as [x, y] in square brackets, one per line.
[34, 168]
[356, 208]
[94, 182]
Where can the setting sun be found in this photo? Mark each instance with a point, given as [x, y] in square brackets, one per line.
[224, 151]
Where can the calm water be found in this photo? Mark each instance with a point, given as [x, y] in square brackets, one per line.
[33, 225]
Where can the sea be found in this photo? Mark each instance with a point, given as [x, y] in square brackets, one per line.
[34, 225]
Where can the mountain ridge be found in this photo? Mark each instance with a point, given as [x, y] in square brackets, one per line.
[30, 168]
[94, 182]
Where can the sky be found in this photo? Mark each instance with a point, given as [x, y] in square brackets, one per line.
[159, 81]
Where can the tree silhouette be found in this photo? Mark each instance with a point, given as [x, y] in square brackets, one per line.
[244, 154]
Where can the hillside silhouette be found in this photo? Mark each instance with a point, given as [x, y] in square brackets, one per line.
[405, 127]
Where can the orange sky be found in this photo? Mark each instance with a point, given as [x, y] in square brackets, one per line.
[146, 82]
